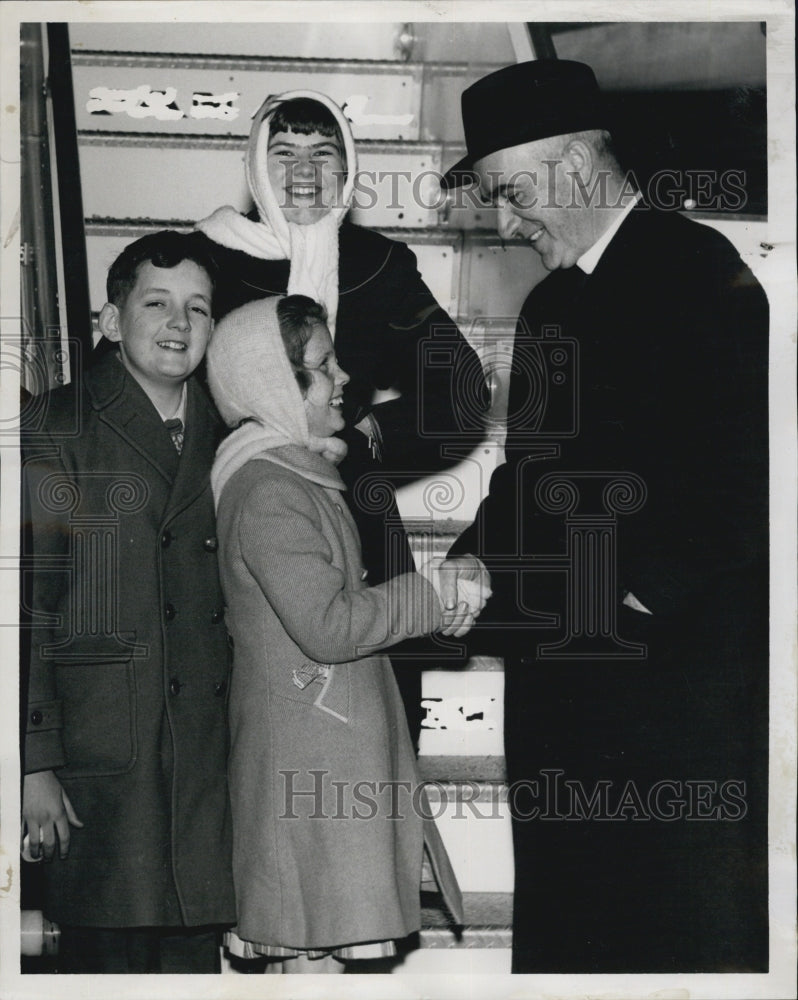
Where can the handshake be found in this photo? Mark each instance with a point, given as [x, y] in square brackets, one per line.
[463, 587]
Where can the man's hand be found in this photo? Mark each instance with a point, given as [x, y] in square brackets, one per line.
[463, 586]
[472, 580]
[46, 813]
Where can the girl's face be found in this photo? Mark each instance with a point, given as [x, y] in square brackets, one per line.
[324, 398]
[306, 173]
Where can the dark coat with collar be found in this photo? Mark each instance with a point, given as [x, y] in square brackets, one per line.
[129, 663]
[390, 334]
[667, 345]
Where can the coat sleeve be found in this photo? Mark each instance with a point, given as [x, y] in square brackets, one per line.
[443, 394]
[282, 545]
[695, 433]
[45, 581]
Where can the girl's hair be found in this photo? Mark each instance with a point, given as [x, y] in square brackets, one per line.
[297, 315]
[306, 116]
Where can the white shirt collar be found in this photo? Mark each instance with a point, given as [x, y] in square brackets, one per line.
[180, 412]
[590, 258]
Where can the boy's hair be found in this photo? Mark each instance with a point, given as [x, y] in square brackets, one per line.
[167, 248]
[297, 315]
[305, 116]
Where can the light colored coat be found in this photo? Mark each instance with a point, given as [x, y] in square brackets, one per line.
[313, 703]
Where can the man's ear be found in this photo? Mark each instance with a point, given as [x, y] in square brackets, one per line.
[109, 323]
[579, 157]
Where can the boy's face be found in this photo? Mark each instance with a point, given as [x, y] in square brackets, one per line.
[164, 325]
[306, 173]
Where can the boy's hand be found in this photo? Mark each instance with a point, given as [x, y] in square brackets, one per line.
[46, 813]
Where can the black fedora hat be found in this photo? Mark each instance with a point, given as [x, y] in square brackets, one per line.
[523, 103]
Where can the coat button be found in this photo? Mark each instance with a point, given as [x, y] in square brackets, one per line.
[364, 574]
[169, 612]
[166, 539]
[36, 718]
[220, 688]
[211, 544]
[174, 686]
[216, 617]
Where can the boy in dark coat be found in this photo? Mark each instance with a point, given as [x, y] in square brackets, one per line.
[126, 738]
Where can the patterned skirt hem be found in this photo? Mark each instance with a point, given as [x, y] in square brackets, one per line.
[360, 950]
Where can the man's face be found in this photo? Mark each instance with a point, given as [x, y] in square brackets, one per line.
[537, 194]
[306, 173]
[164, 324]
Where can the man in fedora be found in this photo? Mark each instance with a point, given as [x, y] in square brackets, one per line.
[628, 546]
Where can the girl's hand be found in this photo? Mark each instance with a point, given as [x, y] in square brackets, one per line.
[463, 586]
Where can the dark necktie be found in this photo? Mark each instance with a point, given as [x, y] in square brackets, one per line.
[175, 428]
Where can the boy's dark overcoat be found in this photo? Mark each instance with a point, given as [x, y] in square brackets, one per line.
[129, 665]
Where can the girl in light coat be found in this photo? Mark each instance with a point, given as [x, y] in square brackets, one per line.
[330, 819]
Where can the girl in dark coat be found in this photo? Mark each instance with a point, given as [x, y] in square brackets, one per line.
[400, 408]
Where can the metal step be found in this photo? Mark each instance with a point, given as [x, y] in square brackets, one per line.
[488, 922]
[449, 770]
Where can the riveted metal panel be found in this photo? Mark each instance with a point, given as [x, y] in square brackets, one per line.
[179, 95]
[105, 239]
[474, 826]
[305, 40]
[439, 264]
[188, 177]
[161, 181]
[496, 279]
[464, 713]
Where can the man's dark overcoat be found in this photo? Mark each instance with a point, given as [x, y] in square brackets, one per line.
[130, 661]
[667, 870]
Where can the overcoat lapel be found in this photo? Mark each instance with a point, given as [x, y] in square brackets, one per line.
[199, 447]
[124, 406]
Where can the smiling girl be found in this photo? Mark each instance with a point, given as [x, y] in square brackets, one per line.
[330, 817]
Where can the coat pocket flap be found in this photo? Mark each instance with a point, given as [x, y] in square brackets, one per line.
[334, 697]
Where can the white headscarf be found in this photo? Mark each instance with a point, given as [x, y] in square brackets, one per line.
[312, 249]
[251, 379]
